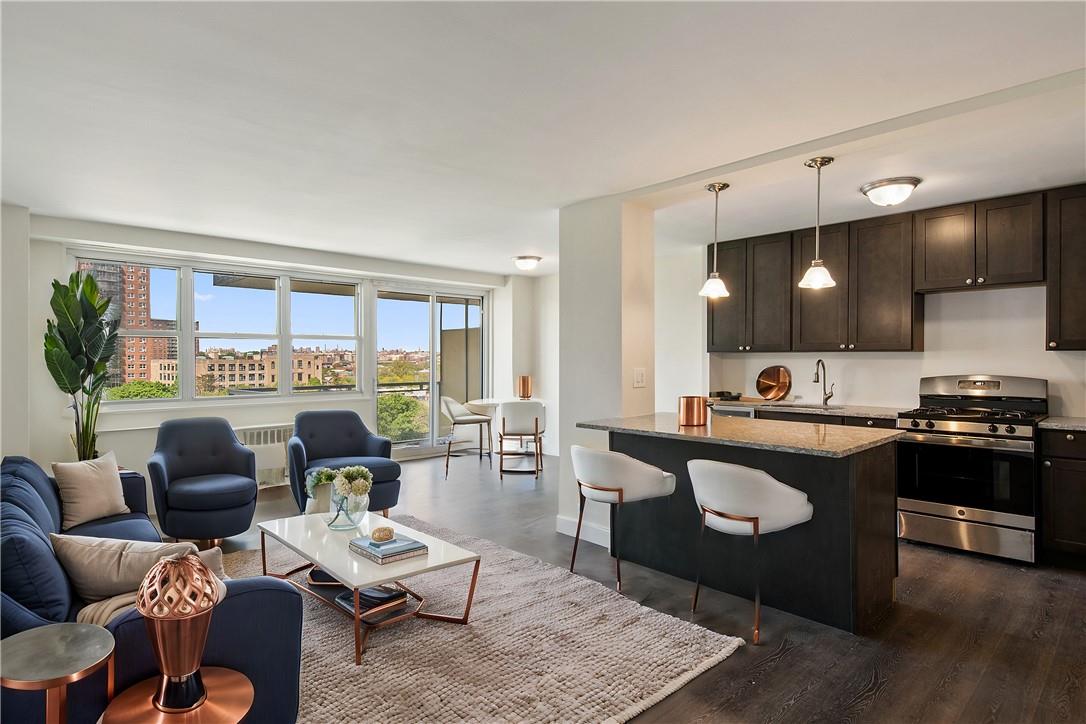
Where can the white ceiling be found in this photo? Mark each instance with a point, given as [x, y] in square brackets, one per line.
[451, 133]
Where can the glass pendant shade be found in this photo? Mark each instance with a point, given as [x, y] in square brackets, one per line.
[714, 287]
[817, 277]
[890, 191]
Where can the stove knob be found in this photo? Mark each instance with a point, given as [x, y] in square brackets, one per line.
[1010, 429]
[915, 423]
[993, 428]
[930, 425]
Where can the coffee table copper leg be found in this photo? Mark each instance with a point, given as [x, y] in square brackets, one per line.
[467, 607]
[358, 631]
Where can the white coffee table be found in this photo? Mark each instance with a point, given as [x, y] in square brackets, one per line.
[310, 537]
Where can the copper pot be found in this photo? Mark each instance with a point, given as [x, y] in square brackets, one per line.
[693, 410]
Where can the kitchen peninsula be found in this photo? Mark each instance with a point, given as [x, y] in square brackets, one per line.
[838, 568]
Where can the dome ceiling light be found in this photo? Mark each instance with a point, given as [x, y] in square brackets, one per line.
[890, 191]
[527, 263]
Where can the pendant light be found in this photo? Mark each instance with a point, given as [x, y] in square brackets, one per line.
[817, 276]
[714, 286]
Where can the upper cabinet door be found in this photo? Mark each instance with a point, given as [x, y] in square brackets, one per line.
[727, 321]
[769, 293]
[944, 248]
[884, 314]
[820, 316]
[1010, 240]
[1066, 248]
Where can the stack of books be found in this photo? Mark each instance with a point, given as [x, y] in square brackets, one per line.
[399, 548]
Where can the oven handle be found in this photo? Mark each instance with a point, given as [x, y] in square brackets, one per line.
[1018, 446]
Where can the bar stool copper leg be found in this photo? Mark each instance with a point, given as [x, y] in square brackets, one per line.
[697, 577]
[577, 536]
[618, 555]
[757, 589]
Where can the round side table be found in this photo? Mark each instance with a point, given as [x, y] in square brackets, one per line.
[48, 658]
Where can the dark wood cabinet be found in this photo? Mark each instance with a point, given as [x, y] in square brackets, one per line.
[769, 293]
[820, 316]
[1063, 498]
[944, 248]
[1065, 246]
[727, 317]
[883, 312]
[874, 422]
[1010, 240]
[757, 316]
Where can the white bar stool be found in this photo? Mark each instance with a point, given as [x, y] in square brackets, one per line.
[614, 478]
[738, 500]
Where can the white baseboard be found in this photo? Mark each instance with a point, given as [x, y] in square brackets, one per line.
[590, 532]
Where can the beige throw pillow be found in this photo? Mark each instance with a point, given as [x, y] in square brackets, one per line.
[104, 567]
[89, 490]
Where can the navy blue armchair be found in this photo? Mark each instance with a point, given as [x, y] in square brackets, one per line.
[336, 439]
[256, 629]
[203, 479]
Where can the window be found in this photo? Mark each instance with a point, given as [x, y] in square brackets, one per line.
[236, 324]
[324, 335]
[156, 340]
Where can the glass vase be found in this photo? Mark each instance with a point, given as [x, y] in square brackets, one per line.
[347, 511]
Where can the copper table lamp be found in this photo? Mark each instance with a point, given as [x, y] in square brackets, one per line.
[524, 387]
[176, 599]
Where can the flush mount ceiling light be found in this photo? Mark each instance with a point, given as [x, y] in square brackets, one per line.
[817, 276]
[714, 286]
[890, 191]
[527, 263]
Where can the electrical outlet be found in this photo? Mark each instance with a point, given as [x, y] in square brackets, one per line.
[639, 377]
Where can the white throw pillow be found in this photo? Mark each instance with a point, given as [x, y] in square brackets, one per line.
[90, 490]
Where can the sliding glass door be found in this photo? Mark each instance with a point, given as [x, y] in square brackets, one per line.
[428, 345]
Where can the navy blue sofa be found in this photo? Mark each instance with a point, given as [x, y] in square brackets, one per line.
[256, 629]
[203, 479]
[336, 439]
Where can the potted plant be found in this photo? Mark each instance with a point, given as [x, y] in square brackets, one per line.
[78, 346]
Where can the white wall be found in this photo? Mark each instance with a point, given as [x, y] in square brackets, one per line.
[991, 331]
[545, 370]
[14, 352]
[606, 306]
[682, 365]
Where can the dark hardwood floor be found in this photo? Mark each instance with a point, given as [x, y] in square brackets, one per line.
[971, 639]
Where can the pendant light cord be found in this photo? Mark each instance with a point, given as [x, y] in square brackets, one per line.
[818, 210]
[716, 234]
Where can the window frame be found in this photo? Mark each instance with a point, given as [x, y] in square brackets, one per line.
[287, 331]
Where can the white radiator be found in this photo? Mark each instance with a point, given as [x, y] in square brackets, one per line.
[269, 442]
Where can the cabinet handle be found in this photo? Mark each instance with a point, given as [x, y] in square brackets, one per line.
[748, 347]
[1052, 345]
[1070, 436]
[1047, 463]
[980, 280]
[870, 423]
[852, 346]
[969, 280]
[842, 346]
[740, 348]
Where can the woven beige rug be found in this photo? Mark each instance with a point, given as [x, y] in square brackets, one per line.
[543, 645]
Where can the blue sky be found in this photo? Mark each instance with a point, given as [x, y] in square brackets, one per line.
[400, 324]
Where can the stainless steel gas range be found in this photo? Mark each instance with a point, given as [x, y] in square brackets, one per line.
[967, 473]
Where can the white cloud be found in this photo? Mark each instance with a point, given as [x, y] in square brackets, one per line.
[203, 297]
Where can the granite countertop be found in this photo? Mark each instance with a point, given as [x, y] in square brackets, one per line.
[1077, 424]
[887, 413]
[805, 438]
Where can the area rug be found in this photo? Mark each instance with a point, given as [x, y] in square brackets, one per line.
[543, 645]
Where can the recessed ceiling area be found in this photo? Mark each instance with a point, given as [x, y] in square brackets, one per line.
[1022, 145]
[451, 133]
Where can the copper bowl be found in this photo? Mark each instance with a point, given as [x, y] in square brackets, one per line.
[693, 410]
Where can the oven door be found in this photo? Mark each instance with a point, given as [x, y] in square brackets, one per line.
[968, 478]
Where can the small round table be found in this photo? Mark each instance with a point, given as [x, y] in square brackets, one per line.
[51, 657]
